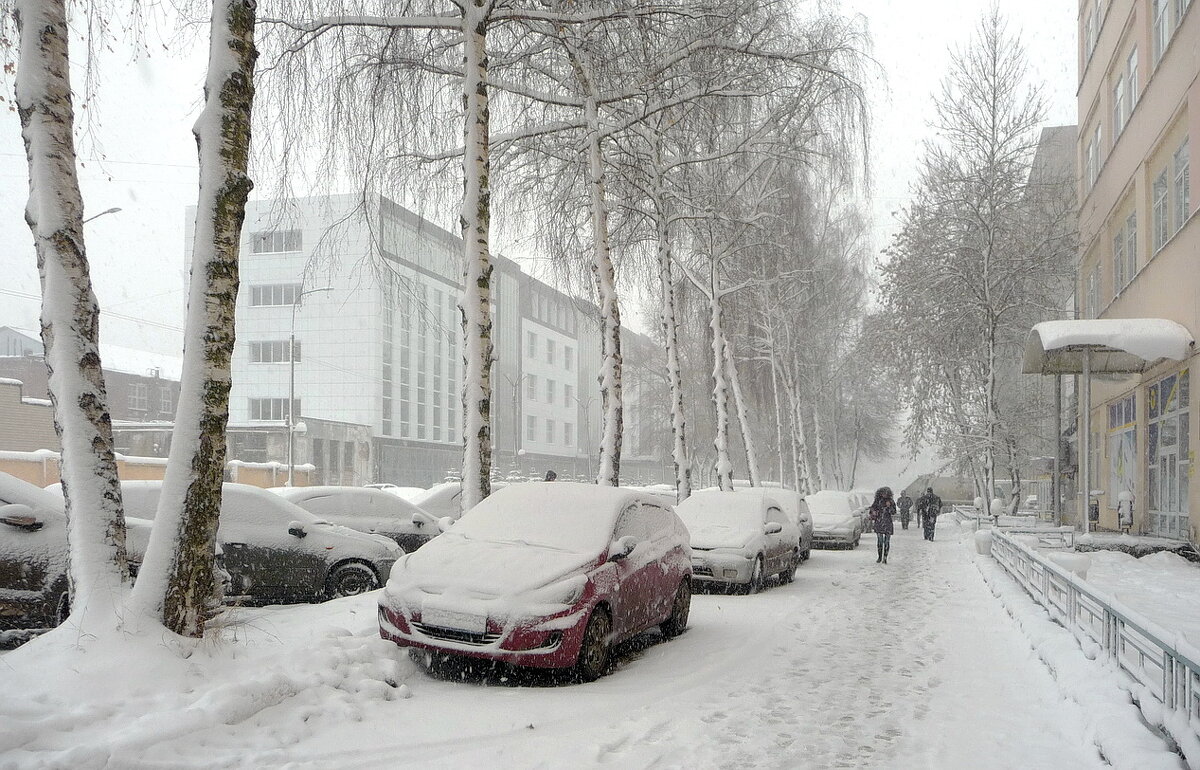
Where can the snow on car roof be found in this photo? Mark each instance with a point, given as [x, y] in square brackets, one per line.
[829, 501]
[561, 514]
[242, 501]
[710, 507]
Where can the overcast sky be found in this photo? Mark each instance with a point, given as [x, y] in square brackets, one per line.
[141, 156]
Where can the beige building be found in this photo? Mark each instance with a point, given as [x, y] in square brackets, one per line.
[1140, 246]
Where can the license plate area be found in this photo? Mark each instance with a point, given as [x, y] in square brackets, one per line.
[444, 617]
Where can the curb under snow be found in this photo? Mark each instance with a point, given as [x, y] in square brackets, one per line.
[1113, 721]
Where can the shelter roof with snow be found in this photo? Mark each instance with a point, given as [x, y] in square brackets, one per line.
[1117, 345]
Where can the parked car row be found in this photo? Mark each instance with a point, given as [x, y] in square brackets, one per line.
[542, 575]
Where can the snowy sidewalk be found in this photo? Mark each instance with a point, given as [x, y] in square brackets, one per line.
[910, 665]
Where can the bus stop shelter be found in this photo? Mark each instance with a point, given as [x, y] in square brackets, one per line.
[1100, 346]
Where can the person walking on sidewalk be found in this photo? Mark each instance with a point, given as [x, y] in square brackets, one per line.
[905, 504]
[929, 506]
[883, 510]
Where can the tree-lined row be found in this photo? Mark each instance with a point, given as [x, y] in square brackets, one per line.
[714, 140]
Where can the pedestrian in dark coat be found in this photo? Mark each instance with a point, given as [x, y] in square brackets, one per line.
[929, 506]
[905, 504]
[881, 513]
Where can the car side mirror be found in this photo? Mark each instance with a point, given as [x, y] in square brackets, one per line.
[622, 548]
[296, 529]
[20, 516]
[772, 528]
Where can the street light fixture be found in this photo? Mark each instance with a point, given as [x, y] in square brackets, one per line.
[113, 210]
[291, 416]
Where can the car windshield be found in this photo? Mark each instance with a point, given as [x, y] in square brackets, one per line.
[720, 509]
[578, 518]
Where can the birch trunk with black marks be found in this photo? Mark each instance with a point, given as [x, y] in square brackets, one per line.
[670, 326]
[70, 323]
[743, 416]
[177, 582]
[723, 466]
[610, 311]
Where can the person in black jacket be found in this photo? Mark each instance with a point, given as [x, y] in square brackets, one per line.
[905, 504]
[882, 511]
[929, 506]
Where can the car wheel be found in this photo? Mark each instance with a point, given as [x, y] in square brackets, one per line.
[680, 608]
[789, 574]
[757, 578]
[350, 579]
[594, 649]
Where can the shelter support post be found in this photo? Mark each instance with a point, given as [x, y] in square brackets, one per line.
[1085, 440]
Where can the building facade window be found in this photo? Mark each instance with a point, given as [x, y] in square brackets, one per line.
[1131, 78]
[568, 394]
[1091, 161]
[1160, 31]
[1091, 31]
[1180, 195]
[530, 345]
[273, 352]
[1092, 297]
[1168, 451]
[1125, 254]
[568, 357]
[1159, 212]
[550, 350]
[531, 428]
[549, 431]
[273, 409]
[275, 241]
[138, 397]
[549, 391]
[1120, 107]
[531, 387]
[1122, 448]
[568, 434]
[274, 294]
[166, 399]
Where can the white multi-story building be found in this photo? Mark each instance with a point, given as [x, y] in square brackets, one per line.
[371, 299]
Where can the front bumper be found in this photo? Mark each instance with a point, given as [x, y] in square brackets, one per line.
[833, 538]
[551, 642]
[721, 567]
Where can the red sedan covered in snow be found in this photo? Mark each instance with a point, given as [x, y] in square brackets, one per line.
[548, 575]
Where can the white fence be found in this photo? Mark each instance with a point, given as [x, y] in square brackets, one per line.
[1153, 656]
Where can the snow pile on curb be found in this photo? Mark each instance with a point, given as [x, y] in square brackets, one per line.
[1113, 722]
[107, 701]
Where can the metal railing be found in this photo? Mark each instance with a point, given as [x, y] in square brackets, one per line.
[1162, 661]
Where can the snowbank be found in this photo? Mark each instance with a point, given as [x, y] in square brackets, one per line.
[1113, 723]
[122, 700]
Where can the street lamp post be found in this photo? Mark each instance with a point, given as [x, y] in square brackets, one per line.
[291, 416]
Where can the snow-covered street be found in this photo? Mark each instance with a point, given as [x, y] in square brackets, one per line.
[910, 664]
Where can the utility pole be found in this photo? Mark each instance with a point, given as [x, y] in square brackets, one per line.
[291, 416]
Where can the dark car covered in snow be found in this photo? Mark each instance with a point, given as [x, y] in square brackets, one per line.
[275, 551]
[544, 575]
[33, 556]
[367, 510]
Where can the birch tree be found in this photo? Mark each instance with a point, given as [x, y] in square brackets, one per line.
[977, 259]
[176, 583]
[70, 323]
